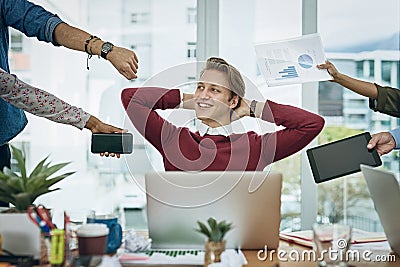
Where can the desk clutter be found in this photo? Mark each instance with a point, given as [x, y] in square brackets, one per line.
[138, 251]
[31, 235]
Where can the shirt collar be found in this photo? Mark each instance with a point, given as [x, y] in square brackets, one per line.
[204, 129]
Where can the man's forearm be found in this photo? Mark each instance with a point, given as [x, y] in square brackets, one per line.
[360, 87]
[124, 60]
[74, 38]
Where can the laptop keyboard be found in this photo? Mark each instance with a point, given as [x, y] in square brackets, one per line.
[174, 252]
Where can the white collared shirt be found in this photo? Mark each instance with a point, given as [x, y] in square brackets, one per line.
[204, 129]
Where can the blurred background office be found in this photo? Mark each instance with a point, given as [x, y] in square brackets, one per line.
[169, 33]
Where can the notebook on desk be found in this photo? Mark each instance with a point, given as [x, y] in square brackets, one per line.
[177, 200]
[385, 192]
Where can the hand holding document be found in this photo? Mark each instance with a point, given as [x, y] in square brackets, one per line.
[292, 61]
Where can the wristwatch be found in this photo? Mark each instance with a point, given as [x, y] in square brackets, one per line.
[105, 49]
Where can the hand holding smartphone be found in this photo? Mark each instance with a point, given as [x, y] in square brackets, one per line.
[118, 143]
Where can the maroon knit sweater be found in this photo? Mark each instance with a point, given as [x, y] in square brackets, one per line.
[183, 150]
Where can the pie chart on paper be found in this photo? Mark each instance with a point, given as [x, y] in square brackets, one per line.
[305, 61]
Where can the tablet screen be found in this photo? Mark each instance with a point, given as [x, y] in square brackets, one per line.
[342, 157]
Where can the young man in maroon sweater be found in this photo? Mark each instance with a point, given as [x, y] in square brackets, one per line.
[217, 101]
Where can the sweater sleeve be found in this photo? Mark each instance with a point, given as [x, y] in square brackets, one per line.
[39, 102]
[140, 105]
[301, 127]
[388, 101]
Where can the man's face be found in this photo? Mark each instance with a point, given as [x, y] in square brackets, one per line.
[212, 99]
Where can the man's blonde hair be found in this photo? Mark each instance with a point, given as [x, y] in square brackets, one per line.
[235, 79]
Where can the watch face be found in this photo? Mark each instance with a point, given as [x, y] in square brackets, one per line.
[106, 47]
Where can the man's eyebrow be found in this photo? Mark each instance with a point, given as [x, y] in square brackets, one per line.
[212, 84]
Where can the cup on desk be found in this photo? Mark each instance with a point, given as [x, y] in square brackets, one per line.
[114, 238]
[92, 239]
[331, 242]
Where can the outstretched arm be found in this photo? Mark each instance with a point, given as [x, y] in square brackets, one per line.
[43, 104]
[360, 87]
[124, 60]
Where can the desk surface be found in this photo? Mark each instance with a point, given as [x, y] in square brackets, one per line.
[252, 258]
[253, 261]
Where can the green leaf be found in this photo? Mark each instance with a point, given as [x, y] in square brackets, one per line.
[19, 156]
[22, 201]
[42, 192]
[39, 168]
[203, 229]
[212, 223]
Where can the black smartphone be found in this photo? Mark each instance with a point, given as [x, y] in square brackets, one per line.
[119, 143]
[342, 157]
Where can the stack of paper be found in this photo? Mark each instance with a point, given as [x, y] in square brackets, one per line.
[305, 238]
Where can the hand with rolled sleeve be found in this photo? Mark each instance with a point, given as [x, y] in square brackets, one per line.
[360, 87]
[384, 142]
[124, 60]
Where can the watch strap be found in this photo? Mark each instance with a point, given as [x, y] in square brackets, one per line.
[253, 108]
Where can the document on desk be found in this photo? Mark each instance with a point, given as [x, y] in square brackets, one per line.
[176, 257]
[305, 238]
[292, 61]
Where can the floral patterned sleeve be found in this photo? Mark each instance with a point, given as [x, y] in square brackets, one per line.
[39, 102]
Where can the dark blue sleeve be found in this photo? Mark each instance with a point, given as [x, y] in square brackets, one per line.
[31, 19]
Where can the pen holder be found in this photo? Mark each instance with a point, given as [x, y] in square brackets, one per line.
[213, 252]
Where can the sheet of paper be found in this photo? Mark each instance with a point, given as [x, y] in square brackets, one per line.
[292, 61]
[358, 236]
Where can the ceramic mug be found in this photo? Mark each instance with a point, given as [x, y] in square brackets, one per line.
[114, 238]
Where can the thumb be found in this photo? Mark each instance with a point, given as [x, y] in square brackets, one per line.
[372, 142]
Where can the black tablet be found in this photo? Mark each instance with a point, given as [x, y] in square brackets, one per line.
[120, 143]
[342, 157]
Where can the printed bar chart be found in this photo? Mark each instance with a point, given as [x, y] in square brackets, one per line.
[288, 73]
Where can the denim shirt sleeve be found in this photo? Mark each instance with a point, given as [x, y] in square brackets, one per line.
[31, 19]
[396, 135]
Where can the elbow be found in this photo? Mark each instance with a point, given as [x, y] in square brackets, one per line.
[320, 122]
[126, 96]
[315, 126]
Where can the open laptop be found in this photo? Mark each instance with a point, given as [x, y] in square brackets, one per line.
[385, 192]
[177, 200]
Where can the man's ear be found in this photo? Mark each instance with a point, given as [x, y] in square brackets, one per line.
[234, 101]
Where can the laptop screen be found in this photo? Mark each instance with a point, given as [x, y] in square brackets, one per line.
[249, 200]
[385, 192]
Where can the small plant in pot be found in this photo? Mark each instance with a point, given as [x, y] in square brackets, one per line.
[215, 233]
[22, 190]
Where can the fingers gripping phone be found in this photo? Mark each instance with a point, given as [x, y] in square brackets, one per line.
[119, 143]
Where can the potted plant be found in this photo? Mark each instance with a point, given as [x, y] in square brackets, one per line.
[215, 233]
[21, 190]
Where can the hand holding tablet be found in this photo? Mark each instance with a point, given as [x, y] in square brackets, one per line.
[342, 157]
